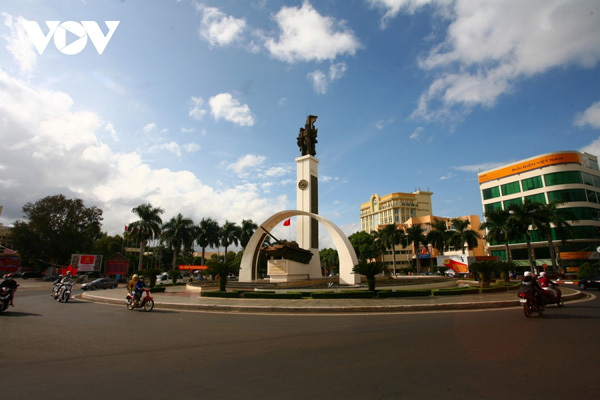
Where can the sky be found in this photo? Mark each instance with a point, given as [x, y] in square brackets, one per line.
[195, 106]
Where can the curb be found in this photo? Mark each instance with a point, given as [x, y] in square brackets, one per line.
[371, 309]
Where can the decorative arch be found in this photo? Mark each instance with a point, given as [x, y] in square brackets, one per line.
[346, 252]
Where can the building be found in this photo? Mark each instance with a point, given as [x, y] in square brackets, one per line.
[569, 177]
[394, 208]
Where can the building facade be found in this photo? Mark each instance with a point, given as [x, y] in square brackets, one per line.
[394, 208]
[568, 177]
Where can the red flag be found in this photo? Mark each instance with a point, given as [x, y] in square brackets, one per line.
[287, 222]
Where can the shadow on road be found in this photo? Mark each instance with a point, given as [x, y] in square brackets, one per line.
[7, 314]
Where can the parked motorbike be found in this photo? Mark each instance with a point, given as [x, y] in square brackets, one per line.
[530, 300]
[64, 293]
[146, 301]
[6, 296]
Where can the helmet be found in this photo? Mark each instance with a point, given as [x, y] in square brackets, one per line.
[142, 278]
[542, 274]
[135, 276]
[528, 273]
[68, 273]
[9, 276]
[61, 276]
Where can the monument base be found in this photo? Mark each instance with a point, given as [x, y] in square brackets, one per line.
[287, 271]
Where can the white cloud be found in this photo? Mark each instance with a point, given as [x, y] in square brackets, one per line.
[246, 163]
[449, 175]
[51, 149]
[275, 172]
[593, 148]
[416, 135]
[308, 36]
[225, 106]
[170, 147]
[393, 7]
[490, 45]
[197, 111]
[191, 147]
[321, 81]
[149, 127]
[218, 28]
[591, 116]
[111, 129]
[19, 44]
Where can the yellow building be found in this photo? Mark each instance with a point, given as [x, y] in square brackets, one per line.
[394, 208]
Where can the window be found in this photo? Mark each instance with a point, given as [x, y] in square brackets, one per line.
[596, 181]
[537, 198]
[507, 203]
[561, 178]
[588, 179]
[592, 196]
[511, 188]
[532, 183]
[493, 206]
[567, 195]
[578, 213]
[491, 193]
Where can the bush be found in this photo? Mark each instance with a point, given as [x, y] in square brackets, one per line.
[586, 270]
[356, 294]
[271, 295]
[404, 293]
[218, 293]
[455, 291]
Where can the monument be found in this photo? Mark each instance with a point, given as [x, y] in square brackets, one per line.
[300, 260]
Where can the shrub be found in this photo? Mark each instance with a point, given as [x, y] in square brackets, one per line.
[218, 293]
[271, 295]
[455, 291]
[356, 294]
[404, 293]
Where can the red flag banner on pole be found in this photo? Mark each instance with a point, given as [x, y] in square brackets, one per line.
[287, 222]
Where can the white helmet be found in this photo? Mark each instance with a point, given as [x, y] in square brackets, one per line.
[542, 274]
[528, 273]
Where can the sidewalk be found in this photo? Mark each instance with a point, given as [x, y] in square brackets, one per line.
[188, 300]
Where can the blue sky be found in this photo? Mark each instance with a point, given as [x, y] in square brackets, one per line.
[195, 106]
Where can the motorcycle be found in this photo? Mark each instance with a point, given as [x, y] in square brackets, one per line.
[549, 298]
[6, 296]
[530, 301]
[64, 293]
[146, 301]
[54, 292]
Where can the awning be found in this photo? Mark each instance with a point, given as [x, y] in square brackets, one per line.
[193, 267]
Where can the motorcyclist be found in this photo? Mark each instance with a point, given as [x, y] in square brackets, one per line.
[11, 285]
[56, 285]
[139, 288]
[547, 284]
[66, 280]
[530, 281]
[132, 283]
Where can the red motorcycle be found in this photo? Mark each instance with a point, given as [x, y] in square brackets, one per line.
[146, 301]
[530, 300]
[549, 298]
[6, 297]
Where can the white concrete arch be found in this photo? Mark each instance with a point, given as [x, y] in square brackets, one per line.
[345, 250]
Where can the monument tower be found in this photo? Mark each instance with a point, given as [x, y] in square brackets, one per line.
[307, 194]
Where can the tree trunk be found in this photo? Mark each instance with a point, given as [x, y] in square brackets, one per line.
[529, 255]
[142, 249]
[394, 259]
[552, 253]
[507, 249]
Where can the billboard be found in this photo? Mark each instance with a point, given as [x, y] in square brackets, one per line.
[86, 262]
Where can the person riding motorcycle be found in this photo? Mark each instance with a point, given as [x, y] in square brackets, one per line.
[64, 281]
[530, 281]
[547, 284]
[139, 288]
[11, 285]
[131, 284]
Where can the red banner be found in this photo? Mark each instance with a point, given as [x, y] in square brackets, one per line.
[116, 267]
[9, 263]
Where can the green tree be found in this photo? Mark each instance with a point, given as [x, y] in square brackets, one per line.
[246, 231]
[525, 217]
[485, 269]
[229, 235]
[221, 270]
[207, 235]
[108, 246]
[369, 270]
[462, 235]
[439, 235]
[415, 236]
[329, 259]
[178, 232]
[390, 236]
[364, 245]
[498, 229]
[146, 228]
[555, 218]
[54, 228]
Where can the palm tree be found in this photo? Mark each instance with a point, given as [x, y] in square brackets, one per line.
[207, 235]
[462, 235]
[390, 236]
[439, 235]
[179, 231]
[525, 217]
[247, 230]
[230, 234]
[555, 217]
[498, 230]
[146, 228]
[414, 235]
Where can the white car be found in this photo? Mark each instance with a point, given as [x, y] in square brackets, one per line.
[166, 279]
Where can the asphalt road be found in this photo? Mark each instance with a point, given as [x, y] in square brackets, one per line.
[92, 351]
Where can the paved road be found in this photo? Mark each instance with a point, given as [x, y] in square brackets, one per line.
[94, 351]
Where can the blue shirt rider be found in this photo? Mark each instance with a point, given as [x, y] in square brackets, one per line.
[139, 288]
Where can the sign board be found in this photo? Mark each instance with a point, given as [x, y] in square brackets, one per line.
[86, 262]
[9, 263]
